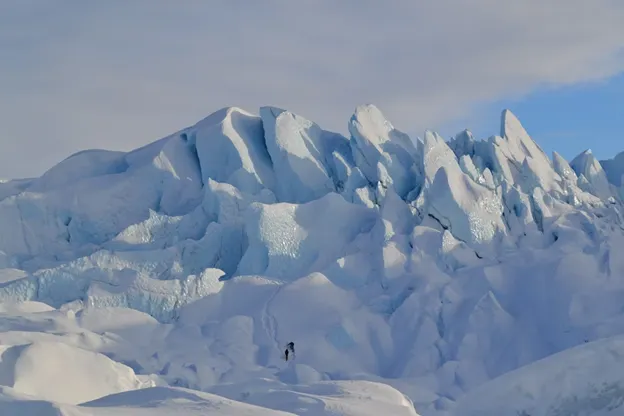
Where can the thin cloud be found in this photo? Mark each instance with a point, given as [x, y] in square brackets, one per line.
[119, 74]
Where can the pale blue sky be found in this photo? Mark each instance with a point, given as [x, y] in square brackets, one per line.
[118, 74]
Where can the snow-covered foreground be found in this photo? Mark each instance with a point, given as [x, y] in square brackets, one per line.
[58, 362]
[413, 274]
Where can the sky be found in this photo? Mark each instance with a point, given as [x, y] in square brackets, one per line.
[119, 74]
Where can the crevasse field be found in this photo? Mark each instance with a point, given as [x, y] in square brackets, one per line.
[416, 276]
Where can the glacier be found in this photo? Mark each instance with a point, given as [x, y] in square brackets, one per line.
[415, 274]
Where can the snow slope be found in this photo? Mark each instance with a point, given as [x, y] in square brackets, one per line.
[584, 380]
[411, 273]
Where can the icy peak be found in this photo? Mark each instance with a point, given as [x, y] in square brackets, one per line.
[463, 144]
[587, 166]
[520, 143]
[509, 122]
[562, 167]
[614, 168]
[368, 118]
[222, 114]
[384, 154]
[230, 148]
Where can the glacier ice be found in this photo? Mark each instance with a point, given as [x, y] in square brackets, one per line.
[230, 147]
[614, 169]
[520, 144]
[587, 166]
[383, 153]
[287, 240]
[437, 267]
[297, 151]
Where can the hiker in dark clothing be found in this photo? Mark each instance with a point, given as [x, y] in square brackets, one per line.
[290, 347]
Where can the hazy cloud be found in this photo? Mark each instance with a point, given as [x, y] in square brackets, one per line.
[117, 74]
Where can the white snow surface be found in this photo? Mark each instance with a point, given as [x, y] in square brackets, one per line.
[415, 275]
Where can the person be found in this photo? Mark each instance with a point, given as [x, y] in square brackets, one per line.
[290, 347]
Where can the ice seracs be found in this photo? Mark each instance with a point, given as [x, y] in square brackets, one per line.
[520, 144]
[383, 153]
[297, 151]
[400, 263]
[287, 240]
[231, 149]
[468, 209]
[614, 169]
[587, 166]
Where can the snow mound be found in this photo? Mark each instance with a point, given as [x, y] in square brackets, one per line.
[154, 401]
[345, 398]
[58, 372]
[14, 308]
[166, 401]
